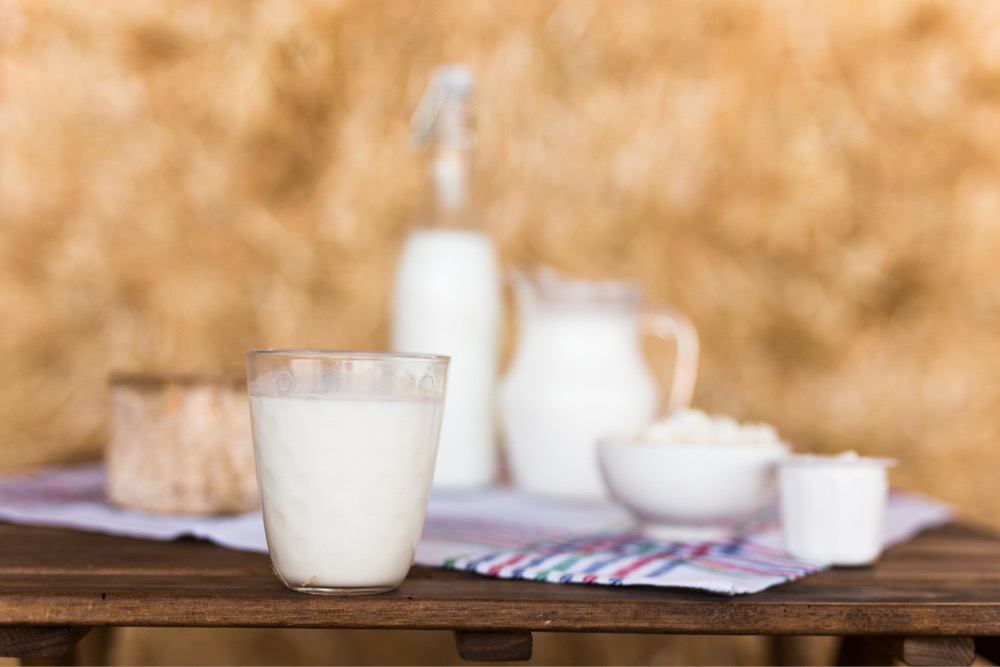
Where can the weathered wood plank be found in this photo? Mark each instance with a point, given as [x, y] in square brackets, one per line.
[944, 583]
[491, 611]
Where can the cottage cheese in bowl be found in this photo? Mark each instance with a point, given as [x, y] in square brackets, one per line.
[695, 427]
[694, 475]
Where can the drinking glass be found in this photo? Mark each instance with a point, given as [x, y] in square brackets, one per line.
[344, 444]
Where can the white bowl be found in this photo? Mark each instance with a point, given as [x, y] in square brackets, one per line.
[691, 491]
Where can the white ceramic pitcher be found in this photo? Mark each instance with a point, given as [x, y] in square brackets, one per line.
[579, 375]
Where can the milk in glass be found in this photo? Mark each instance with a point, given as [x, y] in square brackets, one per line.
[344, 486]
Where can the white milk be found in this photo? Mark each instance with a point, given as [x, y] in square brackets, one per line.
[344, 486]
[447, 301]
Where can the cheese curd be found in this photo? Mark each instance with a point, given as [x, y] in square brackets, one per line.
[699, 428]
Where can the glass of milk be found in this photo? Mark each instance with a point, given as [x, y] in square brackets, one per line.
[345, 444]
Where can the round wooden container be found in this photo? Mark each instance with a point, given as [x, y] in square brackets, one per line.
[180, 444]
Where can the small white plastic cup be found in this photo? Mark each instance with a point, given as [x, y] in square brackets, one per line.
[833, 507]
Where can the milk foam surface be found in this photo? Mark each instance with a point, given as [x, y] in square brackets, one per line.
[344, 486]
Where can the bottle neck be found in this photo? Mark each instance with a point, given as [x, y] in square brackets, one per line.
[449, 142]
[450, 187]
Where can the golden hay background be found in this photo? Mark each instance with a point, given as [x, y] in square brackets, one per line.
[817, 185]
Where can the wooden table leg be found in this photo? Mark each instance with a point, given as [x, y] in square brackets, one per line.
[38, 641]
[910, 650]
[493, 646]
[861, 651]
[989, 648]
[788, 650]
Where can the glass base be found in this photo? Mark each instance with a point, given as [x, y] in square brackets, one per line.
[322, 590]
[334, 590]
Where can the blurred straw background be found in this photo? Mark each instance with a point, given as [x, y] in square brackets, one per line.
[816, 185]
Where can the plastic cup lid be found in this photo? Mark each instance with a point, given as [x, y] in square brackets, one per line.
[845, 460]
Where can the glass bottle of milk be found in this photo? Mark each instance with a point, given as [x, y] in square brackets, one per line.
[447, 291]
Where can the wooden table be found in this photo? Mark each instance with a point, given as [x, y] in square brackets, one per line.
[934, 600]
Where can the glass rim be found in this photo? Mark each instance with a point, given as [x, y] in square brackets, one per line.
[346, 355]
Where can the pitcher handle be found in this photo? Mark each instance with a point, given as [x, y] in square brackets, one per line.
[666, 322]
